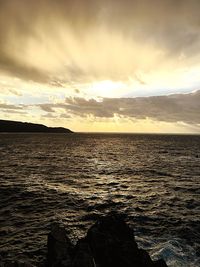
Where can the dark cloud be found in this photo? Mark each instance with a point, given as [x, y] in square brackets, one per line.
[139, 79]
[11, 107]
[172, 108]
[172, 26]
[48, 108]
[21, 70]
[14, 112]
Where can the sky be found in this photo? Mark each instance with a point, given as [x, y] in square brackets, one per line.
[101, 65]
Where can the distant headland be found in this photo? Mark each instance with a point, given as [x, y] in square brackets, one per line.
[25, 127]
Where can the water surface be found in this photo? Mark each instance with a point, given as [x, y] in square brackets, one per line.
[152, 179]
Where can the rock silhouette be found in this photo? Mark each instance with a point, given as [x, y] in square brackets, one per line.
[16, 126]
[109, 242]
[59, 247]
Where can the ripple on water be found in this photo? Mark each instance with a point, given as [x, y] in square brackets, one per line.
[153, 180]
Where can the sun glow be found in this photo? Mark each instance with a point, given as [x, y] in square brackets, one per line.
[107, 88]
[90, 65]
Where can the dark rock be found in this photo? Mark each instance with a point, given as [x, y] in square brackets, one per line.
[109, 242]
[59, 247]
[83, 255]
[160, 263]
[112, 243]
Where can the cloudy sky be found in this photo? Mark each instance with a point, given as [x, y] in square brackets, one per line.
[101, 65]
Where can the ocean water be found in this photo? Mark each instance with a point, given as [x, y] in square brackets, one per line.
[154, 180]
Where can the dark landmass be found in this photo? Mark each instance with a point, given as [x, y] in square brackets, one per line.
[109, 242]
[16, 126]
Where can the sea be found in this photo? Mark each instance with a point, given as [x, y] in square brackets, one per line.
[152, 180]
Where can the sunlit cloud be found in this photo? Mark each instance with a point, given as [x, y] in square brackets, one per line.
[173, 108]
[91, 50]
[96, 42]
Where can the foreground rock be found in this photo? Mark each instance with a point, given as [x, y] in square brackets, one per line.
[109, 242]
[60, 249]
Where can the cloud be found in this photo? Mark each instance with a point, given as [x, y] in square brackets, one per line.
[62, 41]
[26, 27]
[10, 106]
[12, 109]
[173, 108]
[22, 70]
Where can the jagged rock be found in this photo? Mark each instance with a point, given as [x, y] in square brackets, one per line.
[83, 255]
[109, 242]
[113, 244]
[160, 263]
[59, 247]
